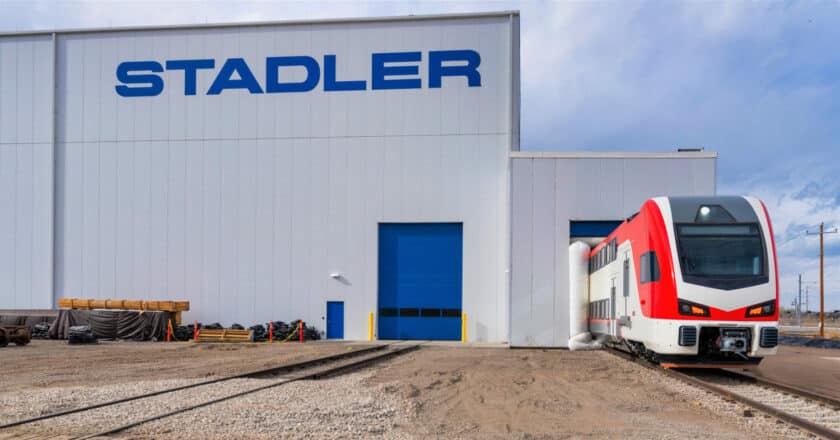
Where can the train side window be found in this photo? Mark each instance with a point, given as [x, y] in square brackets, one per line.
[648, 267]
[654, 267]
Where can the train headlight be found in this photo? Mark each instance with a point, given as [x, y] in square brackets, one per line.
[713, 214]
[764, 309]
[692, 309]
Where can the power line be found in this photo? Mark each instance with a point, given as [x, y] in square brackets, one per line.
[803, 233]
[797, 235]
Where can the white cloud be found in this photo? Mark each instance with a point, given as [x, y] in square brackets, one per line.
[798, 204]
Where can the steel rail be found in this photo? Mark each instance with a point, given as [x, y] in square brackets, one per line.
[267, 371]
[796, 421]
[341, 369]
[785, 388]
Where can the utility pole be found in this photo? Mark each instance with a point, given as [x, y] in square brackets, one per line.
[822, 281]
[807, 295]
[799, 304]
[808, 285]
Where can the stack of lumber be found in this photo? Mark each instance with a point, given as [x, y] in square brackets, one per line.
[175, 307]
[225, 335]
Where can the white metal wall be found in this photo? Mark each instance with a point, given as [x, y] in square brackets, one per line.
[26, 164]
[548, 191]
[245, 204]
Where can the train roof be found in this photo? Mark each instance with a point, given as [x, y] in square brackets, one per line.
[720, 209]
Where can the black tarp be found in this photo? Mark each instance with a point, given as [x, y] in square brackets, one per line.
[10, 320]
[113, 324]
[28, 319]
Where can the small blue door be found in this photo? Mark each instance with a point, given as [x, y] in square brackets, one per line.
[335, 319]
[420, 280]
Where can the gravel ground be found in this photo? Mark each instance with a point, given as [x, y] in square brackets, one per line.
[341, 407]
[757, 424]
[21, 405]
[333, 408]
[48, 364]
[812, 410]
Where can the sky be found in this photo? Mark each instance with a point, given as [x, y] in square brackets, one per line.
[757, 82]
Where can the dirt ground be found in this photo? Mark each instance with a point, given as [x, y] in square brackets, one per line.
[47, 363]
[481, 393]
[812, 369]
[440, 391]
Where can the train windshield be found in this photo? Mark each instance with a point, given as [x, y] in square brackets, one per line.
[721, 251]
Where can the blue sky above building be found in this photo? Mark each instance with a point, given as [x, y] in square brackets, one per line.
[757, 82]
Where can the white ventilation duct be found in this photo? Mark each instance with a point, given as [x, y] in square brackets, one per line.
[579, 298]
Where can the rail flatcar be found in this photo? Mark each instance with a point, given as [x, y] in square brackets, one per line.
[689, 281]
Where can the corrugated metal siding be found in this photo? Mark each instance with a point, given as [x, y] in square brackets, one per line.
[26, 159]
[547, 194]
[244, 204]
[251, 230]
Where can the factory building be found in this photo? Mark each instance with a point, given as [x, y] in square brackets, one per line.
[322, 170]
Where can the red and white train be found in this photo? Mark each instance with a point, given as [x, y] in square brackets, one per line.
[689, 281]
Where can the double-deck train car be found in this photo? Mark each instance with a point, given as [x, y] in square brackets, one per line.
[689, 281]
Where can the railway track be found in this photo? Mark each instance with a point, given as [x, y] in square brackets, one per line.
[811, 412]
[221, 389]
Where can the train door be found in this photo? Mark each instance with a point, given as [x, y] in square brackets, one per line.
[625, 281]
[613, 328]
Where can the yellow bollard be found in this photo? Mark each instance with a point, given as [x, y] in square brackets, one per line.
[370, 326]
[464, 327]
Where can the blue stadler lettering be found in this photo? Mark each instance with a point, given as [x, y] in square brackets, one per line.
[300, 73]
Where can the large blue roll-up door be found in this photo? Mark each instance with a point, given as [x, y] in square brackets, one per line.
[420, 280]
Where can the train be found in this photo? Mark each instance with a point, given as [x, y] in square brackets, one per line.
[689, 282]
